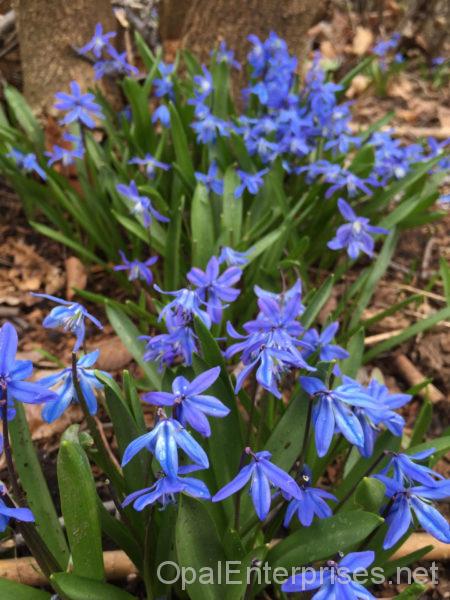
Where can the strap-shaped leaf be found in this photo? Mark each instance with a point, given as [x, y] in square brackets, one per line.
[202, 227]
[199, 546]
[323, 539]
[80, 510]
[11, 590]
[37, 493]
[129, 334]
[73, 587]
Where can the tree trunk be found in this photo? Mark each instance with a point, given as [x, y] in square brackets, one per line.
[208, 22]
[172, 14]
[48, 29]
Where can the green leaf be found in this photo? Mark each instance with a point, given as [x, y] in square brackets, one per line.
[236, 591]
[80, 511]
[370, 494]
[33, 482]
[198, 546]
[11, 590]
[24, 115]
[72, 587]
[444, 269]
[232, 208]
[441, 445]
[126, 430]
[224, 431]
[181, 146]
[66, 241]
[142, 127]
[202, 227]
[173, 249]
[323, 539]
[317, 301]
[120, 534]
[286, 440]
[409, 332]
[412, 592]
[355, 348]
[422, 423]
[129, 334]
[386, 441]
[375, 273]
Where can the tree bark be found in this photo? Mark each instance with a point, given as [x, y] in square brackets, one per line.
[208, 22]
[47, 31]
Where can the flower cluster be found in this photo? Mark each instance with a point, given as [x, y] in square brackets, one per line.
[189, 407]
[411, 489]
[211, 293]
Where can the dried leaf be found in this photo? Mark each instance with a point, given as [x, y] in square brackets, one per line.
[362, 41]
[76, 276]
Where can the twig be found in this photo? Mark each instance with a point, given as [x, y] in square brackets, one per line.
[414, 377]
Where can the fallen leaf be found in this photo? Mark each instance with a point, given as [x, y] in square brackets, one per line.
[362, 41]
[327, 49]
[76, 276]
[359, 84]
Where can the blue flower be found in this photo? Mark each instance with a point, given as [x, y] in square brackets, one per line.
[136, 268]
[225, 56]
[252, 182]
[27, 162]
[66, 391]
[164, 85]
[142, 205]
[406, 470]
[178, 345]
[382, 412]
[70, 316]
[13, 373]
[98, 42]
[204, 84]
[163, 441]
[190, 405]
[164, 490]
[79, 107]
[407, 501]
[309, 503]
[438, 61]
[382, 47]
[210, 179]
[208, 126]
[116, 64]
[161, 115]
[8, 512]
[214, 289]
[257, 55]
[332, 412]
[262, 473]
[320, 343]
[334, 581]
[355, 235]
[186, 305]
[64, 155]
[272, 342]
[233, 258]
[150, 165]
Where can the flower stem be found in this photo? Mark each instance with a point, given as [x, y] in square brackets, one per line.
[300, 462]
[108, 463]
